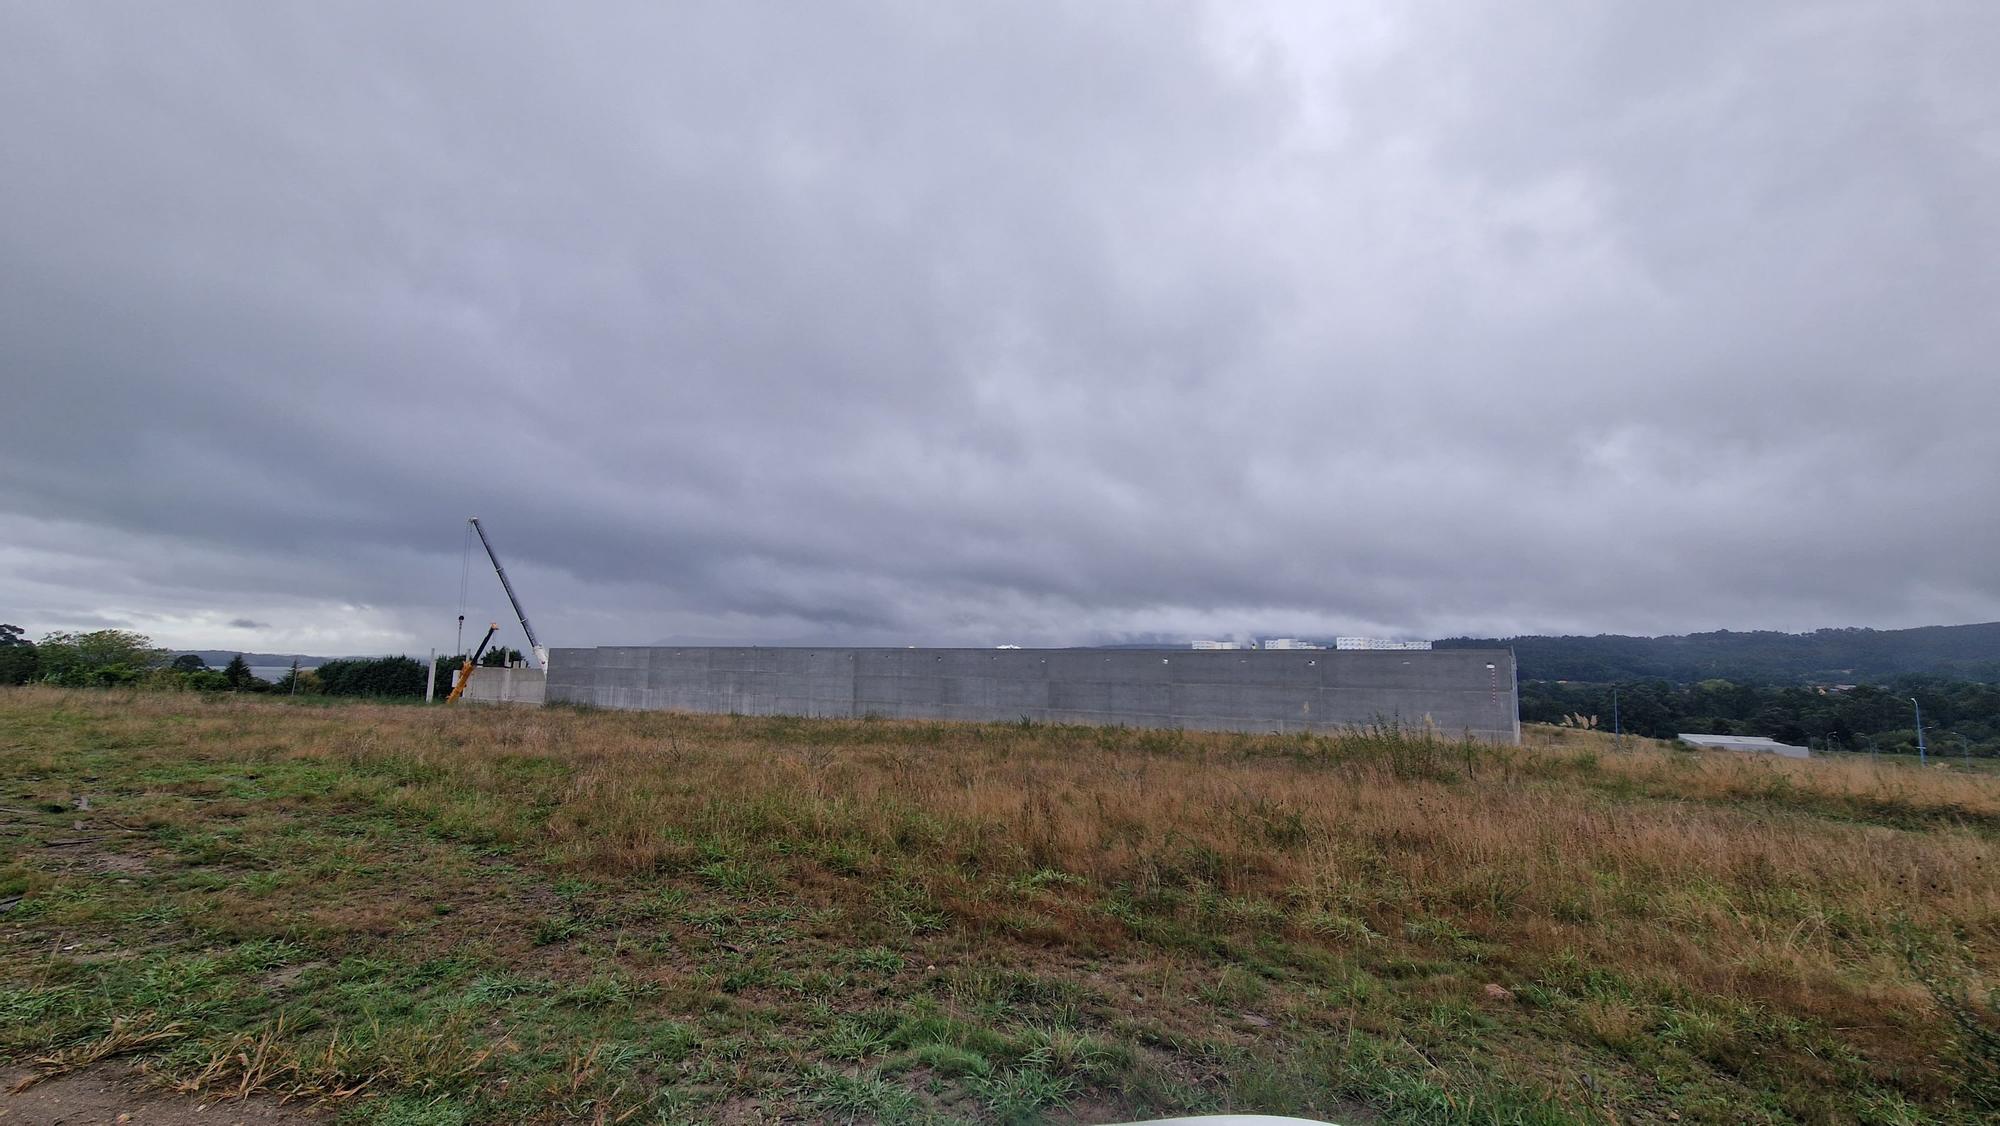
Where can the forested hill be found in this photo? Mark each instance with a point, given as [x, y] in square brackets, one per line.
[1823, 656]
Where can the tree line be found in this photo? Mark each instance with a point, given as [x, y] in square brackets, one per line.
[120, 658]
[1960, 716]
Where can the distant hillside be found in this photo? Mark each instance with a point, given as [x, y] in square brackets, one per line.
[216, 658]
[1823, 656]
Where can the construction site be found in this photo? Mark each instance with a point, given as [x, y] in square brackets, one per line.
[1456, 693]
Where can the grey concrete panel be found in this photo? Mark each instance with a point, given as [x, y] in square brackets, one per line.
[620, 676]
[1462, 669]
[744, 660]
[507, 686]
[882, 662]
[1017, 698]
[966, 691]
[1241, 699]
[1015, 664]
[1236, 667]
[677, 664]
[1453, 691]
[624, 657]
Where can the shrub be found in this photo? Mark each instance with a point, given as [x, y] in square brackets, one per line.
[372, 676]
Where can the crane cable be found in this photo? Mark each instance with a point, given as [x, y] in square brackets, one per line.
[464, 581]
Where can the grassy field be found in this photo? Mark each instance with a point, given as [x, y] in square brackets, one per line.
[426, 916]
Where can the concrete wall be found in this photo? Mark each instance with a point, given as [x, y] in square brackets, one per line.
[1458, 691]
[507, 686]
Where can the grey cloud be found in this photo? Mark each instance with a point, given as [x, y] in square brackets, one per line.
[907, 323]
[247, 623]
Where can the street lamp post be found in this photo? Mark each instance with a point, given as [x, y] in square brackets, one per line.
[1964, 746]
[1922, 758]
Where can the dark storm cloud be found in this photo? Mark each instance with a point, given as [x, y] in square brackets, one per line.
[976, 323]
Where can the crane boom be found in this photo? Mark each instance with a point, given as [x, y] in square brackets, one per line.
[471, 666]
[541, 654]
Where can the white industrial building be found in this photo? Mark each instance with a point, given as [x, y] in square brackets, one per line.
[1288, 643]
[1756, 743]
[1377, 643]
[1218, 645]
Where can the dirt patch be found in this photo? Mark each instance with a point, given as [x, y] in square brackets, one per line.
[280, 979]
[109, 1094]
[78, 841]
[116, 864]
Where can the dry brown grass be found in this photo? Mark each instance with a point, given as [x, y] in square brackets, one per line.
[1800, 890]
[126, 1036]
[1722, 871]
[264, 1062]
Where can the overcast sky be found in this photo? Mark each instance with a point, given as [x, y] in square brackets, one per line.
[997, 323]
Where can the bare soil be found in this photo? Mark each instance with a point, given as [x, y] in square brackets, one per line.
[119, 1095]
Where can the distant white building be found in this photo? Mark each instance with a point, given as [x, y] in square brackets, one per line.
[1377, 643]
[1218, 645]
[1755, 743]
[1288, 643]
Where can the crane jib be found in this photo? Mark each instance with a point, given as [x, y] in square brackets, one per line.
[534, 643]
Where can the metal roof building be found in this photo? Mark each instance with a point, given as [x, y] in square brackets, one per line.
[1743, 743]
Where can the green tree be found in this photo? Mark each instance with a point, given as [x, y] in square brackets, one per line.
[170, 679]
[499, 657]
[237, 673]
[189, 662]
[19, 659]
[100, 657]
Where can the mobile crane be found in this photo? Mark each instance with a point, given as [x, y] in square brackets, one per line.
[534, 644]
